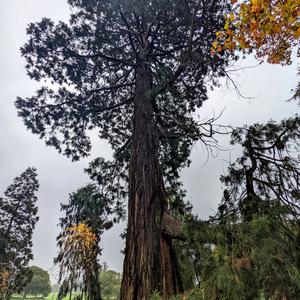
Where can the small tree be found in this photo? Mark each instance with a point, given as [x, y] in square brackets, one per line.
[18, 218]
[88, 213]
[78, 252]
[110, 283]
[39, 284]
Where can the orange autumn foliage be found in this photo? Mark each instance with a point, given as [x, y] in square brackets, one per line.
[4, 282]
[270, 27]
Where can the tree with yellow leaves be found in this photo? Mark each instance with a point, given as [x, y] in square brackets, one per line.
[86, 216]
[4, 282]
[270, 27]
[77, 262]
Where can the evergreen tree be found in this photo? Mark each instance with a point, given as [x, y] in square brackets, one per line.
[17, 221]
[250, 249]
[267, 174]
[136, 71]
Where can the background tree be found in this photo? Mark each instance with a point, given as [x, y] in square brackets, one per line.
[39, 284]
[78, 252]
[136, 71]
[110, 283]
[87, 214]
[250, 249]
[18, 218]
[267, 173]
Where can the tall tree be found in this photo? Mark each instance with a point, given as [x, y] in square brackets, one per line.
[17, 221]
[136, 71]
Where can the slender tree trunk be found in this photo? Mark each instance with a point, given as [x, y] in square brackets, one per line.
[150, 262]
[93, 287]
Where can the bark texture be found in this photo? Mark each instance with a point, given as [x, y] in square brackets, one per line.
[93, 283]
[150, 262]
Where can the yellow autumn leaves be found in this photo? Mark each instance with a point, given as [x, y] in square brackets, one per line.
[271, 27]
[82, 234]
[4, 282]
[81, 240]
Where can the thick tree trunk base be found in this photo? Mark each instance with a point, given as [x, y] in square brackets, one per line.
[150, 262]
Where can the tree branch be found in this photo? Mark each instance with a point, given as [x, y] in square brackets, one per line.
[104, 56]
[113, 106]
[129, 32]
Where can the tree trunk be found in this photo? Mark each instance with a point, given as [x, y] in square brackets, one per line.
[150, 262]
[93, 283]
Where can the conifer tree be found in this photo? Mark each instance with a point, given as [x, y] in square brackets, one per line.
[258, 223]
[250, 248]
[136, 71]
[18, 212]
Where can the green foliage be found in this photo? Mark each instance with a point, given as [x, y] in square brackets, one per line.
[93, 60]
[39, 284]
[18, 218]
[250, 249]
[194, 294]
[110, 282]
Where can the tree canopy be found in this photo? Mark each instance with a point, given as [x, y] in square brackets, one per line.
[93, 59]
[250, 248]
[110, 283]
[40, 282]
[135, 71]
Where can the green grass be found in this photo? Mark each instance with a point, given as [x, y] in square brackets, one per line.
[51, 296]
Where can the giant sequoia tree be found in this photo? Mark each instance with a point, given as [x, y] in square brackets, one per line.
[136, 71]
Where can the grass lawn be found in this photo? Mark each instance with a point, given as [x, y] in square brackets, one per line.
[51, 296]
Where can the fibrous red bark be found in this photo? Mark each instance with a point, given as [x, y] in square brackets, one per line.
[150, 262]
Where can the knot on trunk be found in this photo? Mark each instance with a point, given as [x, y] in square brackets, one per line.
[171, 227]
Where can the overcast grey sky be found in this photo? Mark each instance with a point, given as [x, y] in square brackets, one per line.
[58, 176]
